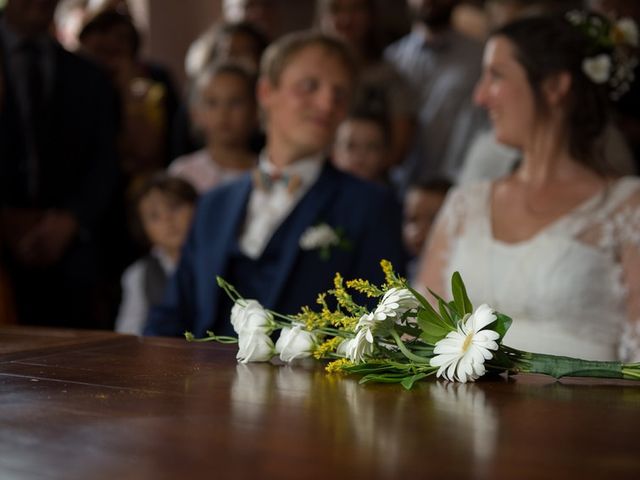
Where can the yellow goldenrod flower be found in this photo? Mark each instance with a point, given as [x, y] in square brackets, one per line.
[338, 366]
[390, 277]
[326, 347]
[366, 287]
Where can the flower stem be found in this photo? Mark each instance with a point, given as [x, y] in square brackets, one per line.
[231, 292]
[405, 351]
[210, 338]
[631, 371]
[557, 366]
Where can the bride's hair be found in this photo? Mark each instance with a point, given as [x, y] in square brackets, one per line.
[549, 45]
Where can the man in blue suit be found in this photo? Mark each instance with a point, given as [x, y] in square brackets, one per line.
[281, 234]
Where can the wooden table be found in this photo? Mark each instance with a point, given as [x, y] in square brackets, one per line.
[96, 405]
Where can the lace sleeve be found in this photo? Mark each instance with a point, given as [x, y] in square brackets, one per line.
[627, 222]
[435, 254]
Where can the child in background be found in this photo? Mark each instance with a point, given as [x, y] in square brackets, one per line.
[421, 205]
[226, 41]
[163, 208]
[224, 108]
[362, 146]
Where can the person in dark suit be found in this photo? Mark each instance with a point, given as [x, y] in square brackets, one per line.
[281, 234]
[57, 168]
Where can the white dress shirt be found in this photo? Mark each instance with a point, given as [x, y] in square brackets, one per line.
[267, 208]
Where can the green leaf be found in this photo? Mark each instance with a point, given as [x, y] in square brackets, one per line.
[460, 297]
[501, 324]
[423, 301]
[383, 378]
[445, 312]
[407, 382]
[433, 329]
[445, 309]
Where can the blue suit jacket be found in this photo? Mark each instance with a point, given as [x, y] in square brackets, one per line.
[368, 215]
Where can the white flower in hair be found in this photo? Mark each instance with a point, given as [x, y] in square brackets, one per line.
[628, 30]
[597, 68]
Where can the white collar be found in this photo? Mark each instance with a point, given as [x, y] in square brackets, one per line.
[167, 263]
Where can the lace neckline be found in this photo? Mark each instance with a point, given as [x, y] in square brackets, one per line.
[582, 206]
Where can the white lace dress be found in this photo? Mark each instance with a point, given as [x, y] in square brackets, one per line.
[572, 289]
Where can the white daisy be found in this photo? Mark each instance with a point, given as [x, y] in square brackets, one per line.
[360, 347]
[461, 354]
[395, 303]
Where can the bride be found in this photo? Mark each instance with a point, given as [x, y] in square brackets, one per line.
[555, 244]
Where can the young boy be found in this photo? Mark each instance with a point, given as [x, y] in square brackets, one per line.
[362, 146]
[422, 201]
[163, 209]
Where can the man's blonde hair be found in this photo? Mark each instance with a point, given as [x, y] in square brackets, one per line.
[279, 54]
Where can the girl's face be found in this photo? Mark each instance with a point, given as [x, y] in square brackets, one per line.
[360, 149]
[227, 110]
[504, 91]
[165, 219]
[348, 19]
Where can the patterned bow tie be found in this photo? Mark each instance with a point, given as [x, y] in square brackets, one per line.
[266, 181]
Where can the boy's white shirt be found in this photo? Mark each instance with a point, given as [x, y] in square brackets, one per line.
[134, 308]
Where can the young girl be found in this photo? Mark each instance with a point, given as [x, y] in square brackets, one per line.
[224, 108]
[163, 209]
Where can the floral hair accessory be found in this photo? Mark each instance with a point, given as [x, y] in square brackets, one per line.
[611, 59]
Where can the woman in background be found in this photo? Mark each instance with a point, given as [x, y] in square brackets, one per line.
[556, 243]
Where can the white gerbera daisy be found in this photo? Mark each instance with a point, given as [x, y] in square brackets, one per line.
[461, 354]
[358, 348]
[395, 303]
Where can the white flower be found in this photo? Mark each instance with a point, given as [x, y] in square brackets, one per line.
[597, 68]
[343, 347]
[295, 343]
[395, 303]
[359, 347]
[249, 315]
[629, 30]
[319, 236]
[461, 354]
[254, 346]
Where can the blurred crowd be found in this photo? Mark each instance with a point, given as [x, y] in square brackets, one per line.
[103, 157]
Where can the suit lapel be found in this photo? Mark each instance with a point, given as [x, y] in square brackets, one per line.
[304, 215]
[227, 231]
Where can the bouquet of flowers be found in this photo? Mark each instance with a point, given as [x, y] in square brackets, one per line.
[403, 340]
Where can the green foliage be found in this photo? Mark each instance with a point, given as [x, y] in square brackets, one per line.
[501, 325]
[460, 297]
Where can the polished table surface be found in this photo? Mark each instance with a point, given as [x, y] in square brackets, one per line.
[97, 405]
